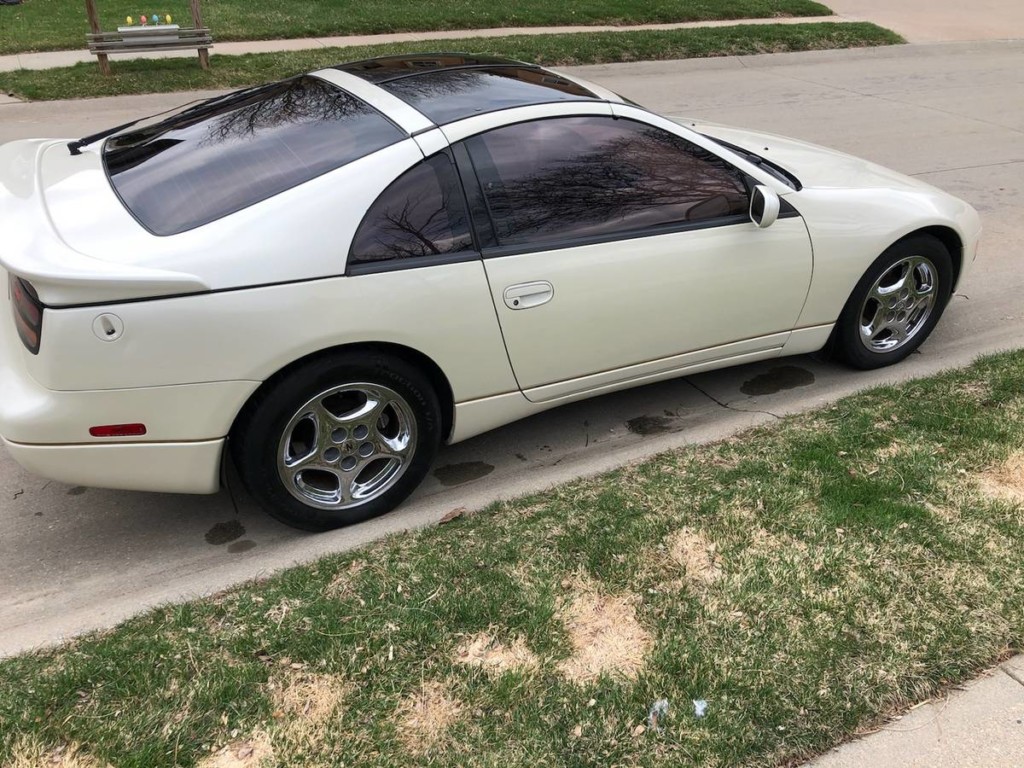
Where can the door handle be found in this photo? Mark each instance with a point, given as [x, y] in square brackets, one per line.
[526, 295]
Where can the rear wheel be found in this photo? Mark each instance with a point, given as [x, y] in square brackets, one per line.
[339, 440]
[896, 304]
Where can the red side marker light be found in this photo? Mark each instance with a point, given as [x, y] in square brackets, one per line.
[118, 430]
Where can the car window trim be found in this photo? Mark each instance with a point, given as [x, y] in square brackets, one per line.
[457, 68]
[416, 262]
[481, 221]
[555, 244]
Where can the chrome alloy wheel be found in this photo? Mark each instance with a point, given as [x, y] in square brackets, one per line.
[899, 304]
[347, 446]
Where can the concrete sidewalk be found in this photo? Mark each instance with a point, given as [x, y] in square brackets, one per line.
[51, 59]
[980, 725]
[939, 21]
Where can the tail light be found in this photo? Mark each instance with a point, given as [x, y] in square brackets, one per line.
[28, 313]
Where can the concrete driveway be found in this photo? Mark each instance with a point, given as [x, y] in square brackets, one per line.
[73, 558]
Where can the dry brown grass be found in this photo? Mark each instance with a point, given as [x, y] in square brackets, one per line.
[30, 754]
[1005, 481]
[978, 390]
[893, 449]
[254, 752]
[310, 698]
[691, 551]
[341, 584]
[425, 717]
[483, 650]
[606, 637]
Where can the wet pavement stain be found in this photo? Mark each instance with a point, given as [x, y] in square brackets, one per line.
[77, 491]
[778, 379]
[242, 546]
[222, 533]
[649, 425]
[457, 474]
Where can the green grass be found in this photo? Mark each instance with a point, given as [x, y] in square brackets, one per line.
[805, 579]
[43, 25]
[142, 76]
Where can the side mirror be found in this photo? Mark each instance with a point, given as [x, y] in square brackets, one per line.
[764, 206]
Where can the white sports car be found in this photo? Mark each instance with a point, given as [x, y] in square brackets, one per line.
[328, 276]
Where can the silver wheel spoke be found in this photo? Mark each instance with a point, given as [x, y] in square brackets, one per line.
[325, 425]
[297, 465]
[876, 324]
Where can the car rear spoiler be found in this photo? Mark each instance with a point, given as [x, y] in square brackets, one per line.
[31, 249]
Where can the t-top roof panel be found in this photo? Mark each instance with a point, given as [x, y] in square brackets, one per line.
[386, 68]
[446, 95]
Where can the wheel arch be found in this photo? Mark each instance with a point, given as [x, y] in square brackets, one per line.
[952, 242]
[438, 380]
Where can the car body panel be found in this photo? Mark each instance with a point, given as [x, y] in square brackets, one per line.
[407, 118]
[648, 299]
[478, 416]
[190, 467]
[250, 335]
[850, 225]
[853, 208]
[818, 166]
[32, 413]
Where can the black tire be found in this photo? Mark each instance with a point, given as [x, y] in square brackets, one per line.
[257, 439]
[846, 342]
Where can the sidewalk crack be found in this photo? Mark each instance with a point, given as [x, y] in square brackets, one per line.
[729, 407]
[1013, 676]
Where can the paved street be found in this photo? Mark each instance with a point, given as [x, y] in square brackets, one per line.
[952, 114]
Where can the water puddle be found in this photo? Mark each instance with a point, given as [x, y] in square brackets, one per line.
[222, 533]
[457, 474]
[778, 379]
[649, 425]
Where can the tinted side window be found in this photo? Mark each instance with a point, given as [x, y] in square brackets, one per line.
[422, 213]
[231, 152]
[590, 176]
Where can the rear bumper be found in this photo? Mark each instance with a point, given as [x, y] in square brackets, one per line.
[185, 467]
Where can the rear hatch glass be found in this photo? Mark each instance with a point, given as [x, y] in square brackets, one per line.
[229, 153]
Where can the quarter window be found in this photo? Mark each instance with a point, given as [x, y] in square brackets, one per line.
[582, 177]
[422, 213]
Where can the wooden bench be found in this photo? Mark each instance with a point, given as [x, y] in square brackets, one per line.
[148, 38]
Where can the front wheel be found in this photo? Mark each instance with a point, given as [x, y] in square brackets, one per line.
[339, 440]
[896, 304]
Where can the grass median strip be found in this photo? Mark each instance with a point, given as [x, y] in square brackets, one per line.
[751, 602]
[164, 75]
[46, 25]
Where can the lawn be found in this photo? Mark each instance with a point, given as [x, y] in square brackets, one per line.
[752, 602]
[142, 76]
[43, 25]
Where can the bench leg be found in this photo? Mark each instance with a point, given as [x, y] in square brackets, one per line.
[204, 58]
[94, 25]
